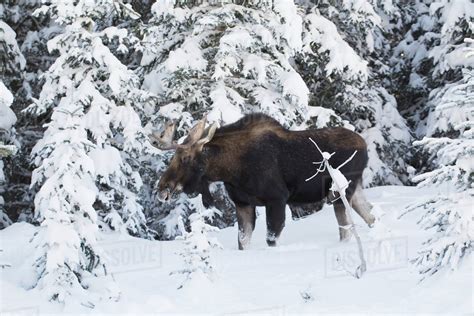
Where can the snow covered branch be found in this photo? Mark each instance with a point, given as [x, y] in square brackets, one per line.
[338, 188]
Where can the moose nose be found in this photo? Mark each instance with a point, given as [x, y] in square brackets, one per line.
[170, 192]
[164, 195]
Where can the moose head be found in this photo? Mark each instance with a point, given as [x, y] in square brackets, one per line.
[187, 167]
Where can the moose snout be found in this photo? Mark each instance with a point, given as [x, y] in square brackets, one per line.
[164, 195]
[168, 193]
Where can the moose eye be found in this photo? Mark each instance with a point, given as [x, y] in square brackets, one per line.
[185, 159]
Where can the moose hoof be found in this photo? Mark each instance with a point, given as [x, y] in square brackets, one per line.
[344, 236]
[271, 243]
[371, 222]
[243, 246]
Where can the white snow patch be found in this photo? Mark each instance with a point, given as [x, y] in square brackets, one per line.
[265, 280]
[7, 117]
[188, 56]
[342, 58]
[107, 160]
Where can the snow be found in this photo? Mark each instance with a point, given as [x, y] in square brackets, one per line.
[163, 8]
[254, 63]
[237, 37]
[106, 160]
[8, 36]
[452, 12]
[291, 22]
[293, 85]
[224, 110]
[342, 58]
[296, 277]
[7, 117]
[188, 56]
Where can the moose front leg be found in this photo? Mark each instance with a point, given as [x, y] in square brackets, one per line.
[275, 212]
[246, 221]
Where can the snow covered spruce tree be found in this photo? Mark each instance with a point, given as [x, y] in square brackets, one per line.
[84, 176]
[12, 64]
[32, 34]
[439, 53]
[7, 119]
[343, 62]
[197, 244]
[224, 60]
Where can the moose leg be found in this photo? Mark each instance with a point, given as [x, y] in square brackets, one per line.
[246, 221]
[342, 221]
[275, 211]
[362, 206]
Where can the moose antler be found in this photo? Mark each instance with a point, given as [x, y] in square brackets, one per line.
[164, 139]
[209, 134]
[198, 134]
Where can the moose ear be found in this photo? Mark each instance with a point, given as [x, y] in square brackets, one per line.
[207, 135]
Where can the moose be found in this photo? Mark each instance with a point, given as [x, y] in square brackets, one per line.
[261, 163]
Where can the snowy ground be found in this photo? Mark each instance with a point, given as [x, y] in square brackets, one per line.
[262, 280]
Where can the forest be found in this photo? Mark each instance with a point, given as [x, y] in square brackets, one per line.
[83, 83]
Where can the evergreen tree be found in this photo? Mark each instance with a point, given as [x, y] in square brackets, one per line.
[438, 53]
[83, 160]
[12, 64]
[343, 62]
[22, 77]
[197, 244]
[7, 119]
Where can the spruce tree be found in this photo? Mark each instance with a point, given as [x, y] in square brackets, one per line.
[84, 174]
[344, 64]
[438, 64]
[12, 64]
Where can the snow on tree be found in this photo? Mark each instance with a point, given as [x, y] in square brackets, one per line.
[343, 63]
[224, 60]
[449, 214]
[7, 116]
[109, 93]
[83, 160]
[12, 61]
[67, 252]
[12, 64]
[435, 52]
[197, 244]
[438, 52]
[7, 119]
[21, 75]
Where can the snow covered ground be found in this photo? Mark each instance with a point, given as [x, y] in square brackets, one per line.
[301, 275]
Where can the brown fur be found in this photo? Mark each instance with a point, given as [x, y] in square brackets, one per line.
[263, 164]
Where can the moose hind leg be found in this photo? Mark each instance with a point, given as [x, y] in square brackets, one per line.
[275, 212]
[342, 221]
[362, 206]
[246, 221]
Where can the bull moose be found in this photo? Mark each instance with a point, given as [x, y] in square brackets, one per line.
[261, 163]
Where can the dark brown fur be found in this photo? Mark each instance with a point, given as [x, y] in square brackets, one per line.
[263, 164]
